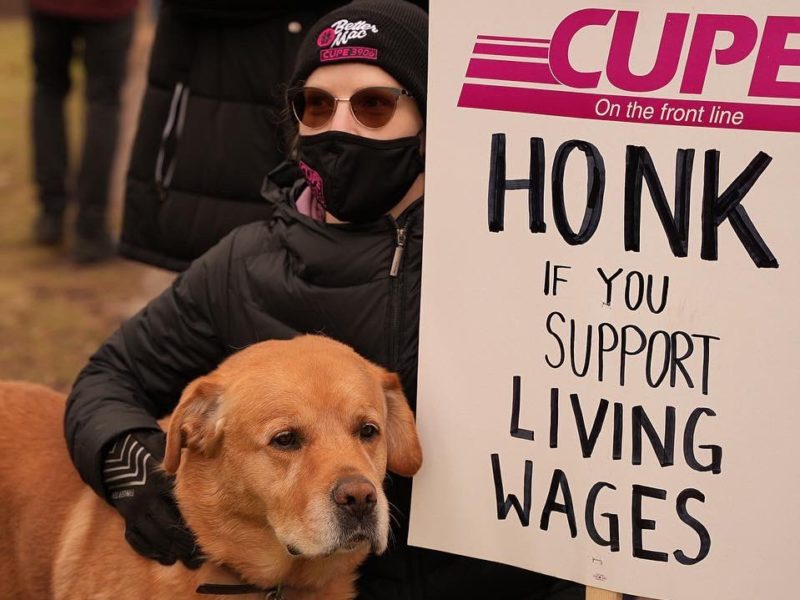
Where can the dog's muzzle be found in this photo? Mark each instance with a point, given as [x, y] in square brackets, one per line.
[356, 501]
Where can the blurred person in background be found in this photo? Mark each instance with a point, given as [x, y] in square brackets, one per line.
[208, 128]
[105, 28]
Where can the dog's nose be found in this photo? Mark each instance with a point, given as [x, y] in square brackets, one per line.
[355, 495]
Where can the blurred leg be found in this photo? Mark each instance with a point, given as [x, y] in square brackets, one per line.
[106, 49]
[52, 51]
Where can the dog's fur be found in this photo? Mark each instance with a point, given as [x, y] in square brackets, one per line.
[252, 504]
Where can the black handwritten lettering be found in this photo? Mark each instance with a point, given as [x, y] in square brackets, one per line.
[697, 526]
[640, 524]
[613, 520]
[516, 431]
[638, 166]
[715, 466]
[498, 184]
[559, 483]
[596, 183]
[505, 504]
[717, 208]
[664, 449]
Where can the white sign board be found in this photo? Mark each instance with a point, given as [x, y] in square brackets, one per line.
[609, 336]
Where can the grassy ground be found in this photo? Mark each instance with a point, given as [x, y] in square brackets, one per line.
[53, 314]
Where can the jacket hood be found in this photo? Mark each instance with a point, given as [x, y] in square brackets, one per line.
[283, 184]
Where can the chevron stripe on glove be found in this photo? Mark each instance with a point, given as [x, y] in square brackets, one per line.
[142, 493]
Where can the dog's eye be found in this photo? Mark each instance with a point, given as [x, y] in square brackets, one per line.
[368, 431]
[286, 440]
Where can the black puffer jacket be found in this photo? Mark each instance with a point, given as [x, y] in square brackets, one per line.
[273, 280]
[209, 123]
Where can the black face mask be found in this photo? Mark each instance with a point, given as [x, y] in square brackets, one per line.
[358, 179]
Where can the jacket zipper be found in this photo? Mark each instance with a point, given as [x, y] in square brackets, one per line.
[397, 286]
[398, 251]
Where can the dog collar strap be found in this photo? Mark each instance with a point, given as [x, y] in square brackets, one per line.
[223, 589]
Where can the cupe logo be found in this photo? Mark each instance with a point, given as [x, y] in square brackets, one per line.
[772, 53]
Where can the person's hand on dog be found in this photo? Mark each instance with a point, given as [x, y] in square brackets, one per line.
[142, 493]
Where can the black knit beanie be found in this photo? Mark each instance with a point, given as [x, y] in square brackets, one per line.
[391, 34]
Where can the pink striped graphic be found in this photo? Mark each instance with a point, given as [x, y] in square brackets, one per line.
[501, 50]
[757, 117]
[507, 70]
[501, 38]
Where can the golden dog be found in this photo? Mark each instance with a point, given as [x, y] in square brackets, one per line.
[279, 457]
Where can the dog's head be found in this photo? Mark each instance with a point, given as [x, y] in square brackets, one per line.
[295, 437]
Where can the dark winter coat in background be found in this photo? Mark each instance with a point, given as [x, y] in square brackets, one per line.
[273, 280]
[208, 128]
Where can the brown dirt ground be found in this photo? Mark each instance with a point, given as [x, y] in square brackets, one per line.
[54, 314]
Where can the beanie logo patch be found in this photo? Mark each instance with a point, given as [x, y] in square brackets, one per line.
[333, 41]
[341, 32]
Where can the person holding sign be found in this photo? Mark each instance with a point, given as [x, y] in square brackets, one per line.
[341, 255]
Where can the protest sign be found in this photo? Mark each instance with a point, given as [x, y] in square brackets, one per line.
[609, 335]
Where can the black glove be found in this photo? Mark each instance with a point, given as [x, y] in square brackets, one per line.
[142, 494]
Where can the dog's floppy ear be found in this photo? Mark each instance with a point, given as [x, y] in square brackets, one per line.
[196, 423]
[404, 455]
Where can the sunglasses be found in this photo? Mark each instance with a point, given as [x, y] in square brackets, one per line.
[372, 107]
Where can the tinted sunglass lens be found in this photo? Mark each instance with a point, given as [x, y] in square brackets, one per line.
[373, 107]
[313, 107]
